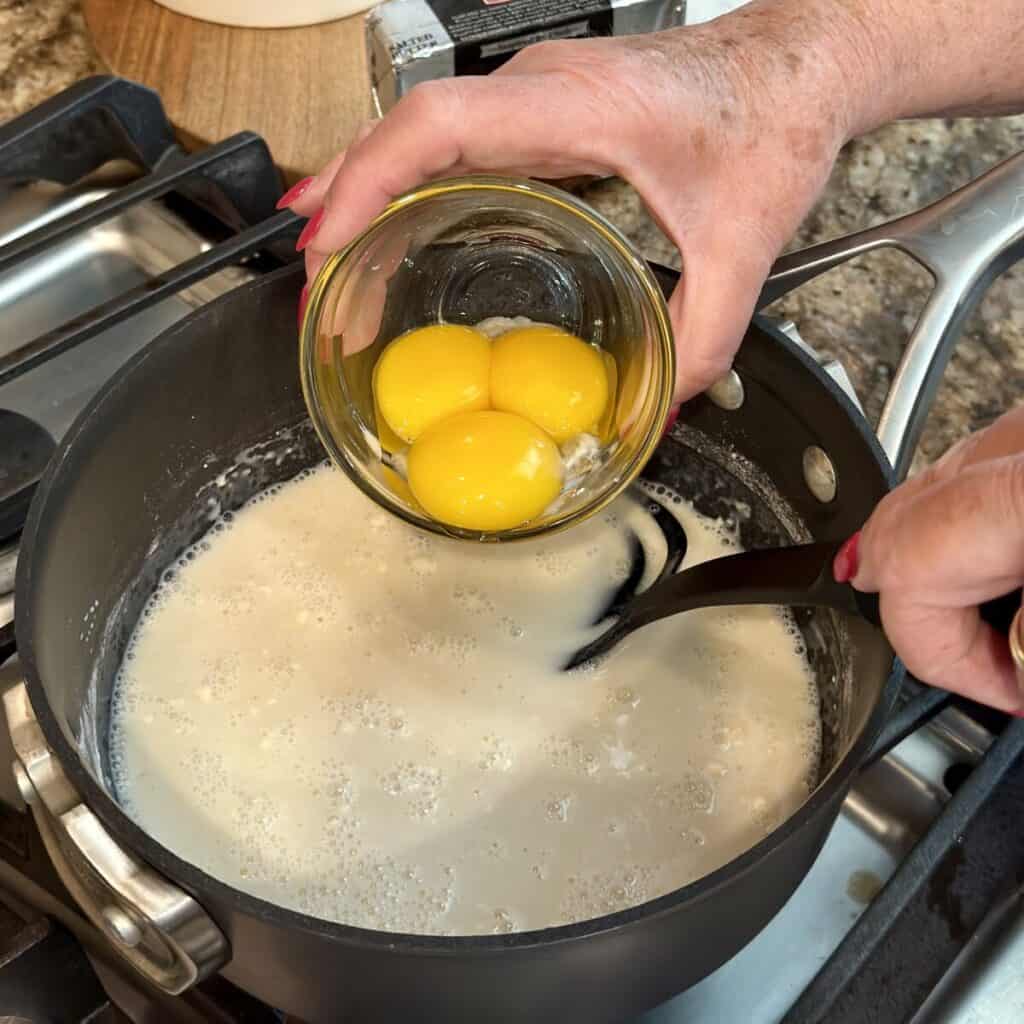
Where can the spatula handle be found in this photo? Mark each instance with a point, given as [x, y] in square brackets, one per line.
[799, 575]
[796, 575]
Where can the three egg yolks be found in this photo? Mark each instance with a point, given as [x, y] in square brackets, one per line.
[484, 419]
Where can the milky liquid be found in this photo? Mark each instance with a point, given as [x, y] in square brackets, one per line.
[344, 715]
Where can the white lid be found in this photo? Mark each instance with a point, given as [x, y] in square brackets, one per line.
[267, 13]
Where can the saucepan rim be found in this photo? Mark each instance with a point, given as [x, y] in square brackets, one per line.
[201, 884]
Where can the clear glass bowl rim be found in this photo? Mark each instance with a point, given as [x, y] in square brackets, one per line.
[650, 294]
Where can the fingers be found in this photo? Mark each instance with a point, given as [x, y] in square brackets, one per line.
[1004, 437]
[935, 554]
[467, 123]
[308, 196]
[960, 541]
[314, 261]
[418, 140]
[446, 127]
[724, 267]
[539, 116]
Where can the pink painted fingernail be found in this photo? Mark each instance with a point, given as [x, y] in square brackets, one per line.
[847, 561]
[303, 299]
[310, 230]
[297, 190]
[670, 420]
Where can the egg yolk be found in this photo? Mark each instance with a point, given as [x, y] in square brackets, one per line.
[484, 470]
[554, 379]
[430, 373]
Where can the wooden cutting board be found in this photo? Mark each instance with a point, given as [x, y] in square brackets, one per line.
[305, 90]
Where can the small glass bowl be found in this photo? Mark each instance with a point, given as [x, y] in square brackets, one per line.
[463, 251]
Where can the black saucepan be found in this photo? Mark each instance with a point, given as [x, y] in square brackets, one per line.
[779, 448]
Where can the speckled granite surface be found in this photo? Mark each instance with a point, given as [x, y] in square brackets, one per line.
[859, 313]
[43, 48]
[862, 312]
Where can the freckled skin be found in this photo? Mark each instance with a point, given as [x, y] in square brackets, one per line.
[807, 146]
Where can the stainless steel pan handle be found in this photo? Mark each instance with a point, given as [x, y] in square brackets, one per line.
[8, 565]
[965, 241]
[154, 925]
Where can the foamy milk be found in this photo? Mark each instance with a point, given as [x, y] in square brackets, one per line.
[344, 715]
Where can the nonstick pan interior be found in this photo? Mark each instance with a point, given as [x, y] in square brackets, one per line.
[212, 413]
[720, 485]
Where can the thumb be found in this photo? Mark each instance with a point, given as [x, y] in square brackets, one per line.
[724, 268]
[934, 555]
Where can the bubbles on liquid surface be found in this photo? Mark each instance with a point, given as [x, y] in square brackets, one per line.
[472, 600]
[370, 724]
[497, 754]
[571, 755]
[417, 786]
[557, 808]
[594, 895]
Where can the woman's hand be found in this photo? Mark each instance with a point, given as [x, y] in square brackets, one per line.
[940, 545]
[728, 131]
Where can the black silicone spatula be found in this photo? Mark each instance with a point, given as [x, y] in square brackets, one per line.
[675, 551]
[800, 575]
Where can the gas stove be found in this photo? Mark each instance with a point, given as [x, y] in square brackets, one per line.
[108, 234]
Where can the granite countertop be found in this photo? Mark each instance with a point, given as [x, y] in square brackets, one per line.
[859, 313]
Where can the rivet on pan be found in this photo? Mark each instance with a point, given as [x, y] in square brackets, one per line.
[727, 392]
[819, 474]
[24, 783]
[121, 926]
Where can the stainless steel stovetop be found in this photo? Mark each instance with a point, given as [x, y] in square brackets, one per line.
[887, 813]
[70, 278]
